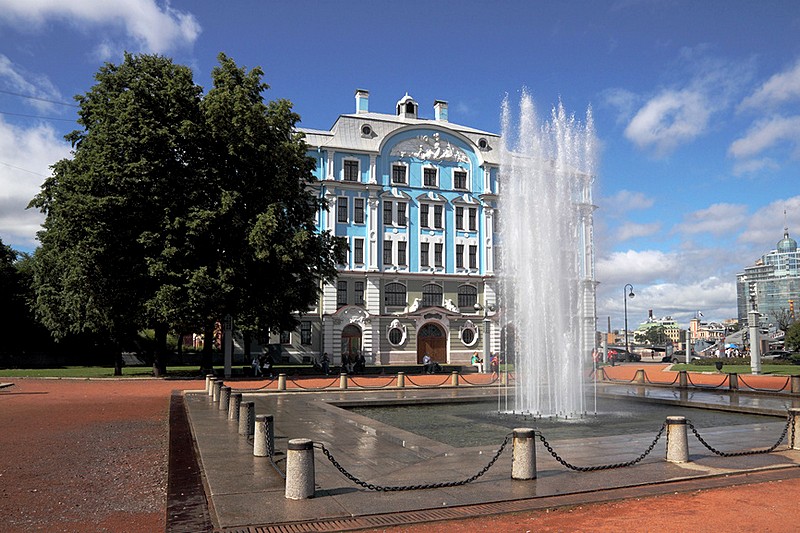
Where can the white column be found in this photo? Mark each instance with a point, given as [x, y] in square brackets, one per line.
[755, 342]
[330, 157]
[488, 249]
[372, 223]
[373, 170]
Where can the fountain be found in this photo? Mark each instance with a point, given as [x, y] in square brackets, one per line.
[547, 287]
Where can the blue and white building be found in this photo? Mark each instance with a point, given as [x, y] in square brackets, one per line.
[415, 198]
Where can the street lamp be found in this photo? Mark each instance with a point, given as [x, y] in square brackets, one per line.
[627, 293]
[486, 325]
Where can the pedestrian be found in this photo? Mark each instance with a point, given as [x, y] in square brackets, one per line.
[324, 363]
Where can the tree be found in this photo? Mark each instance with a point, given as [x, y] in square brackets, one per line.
[655, 335]
[792, 339]
[134, 157]
[783, 318]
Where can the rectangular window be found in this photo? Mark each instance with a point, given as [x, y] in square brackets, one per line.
[438, 209]
[459, 217]
[341, 293]
[305, 333]
[401, 214]
[387, 252]
[437, 254]
[459, 256]
[401, 253]
[350, 170]
[429, 176]
[358, 251]
[358, 289]
[423, 254]
[286, 337]
[387, 213]
[398, 174]
[358, 210]
[342, 210]
[473, 219]
[423, 215]
[473, 256]
[459, 179]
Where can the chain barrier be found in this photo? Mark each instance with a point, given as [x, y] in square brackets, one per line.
[702, 386]
[495, 377]
[601, 467]
[335, 380]
[267, 384]
[648, 380]
[398, 488]
[743, 382]
[408, 378]
[391, 380]
[747, 452]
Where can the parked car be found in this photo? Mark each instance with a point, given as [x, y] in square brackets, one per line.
[679, 356]
[619, 356]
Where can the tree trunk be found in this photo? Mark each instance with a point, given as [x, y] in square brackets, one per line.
[117, 361]
[159, 361]
[246, 340]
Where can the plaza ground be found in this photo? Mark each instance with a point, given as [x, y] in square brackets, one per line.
[80, 455]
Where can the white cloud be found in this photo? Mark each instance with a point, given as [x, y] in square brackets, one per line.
[26, 157]
[765, 134]
[641, 266]
[156, 28]
[631, 230]
[765, 226]
[623, 100]
[780, 88]
[626, 200]
[15, 79]
[717, 219]
[754, 166]
[669, 119]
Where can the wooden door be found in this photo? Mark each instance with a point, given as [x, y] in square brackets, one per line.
[431, 340]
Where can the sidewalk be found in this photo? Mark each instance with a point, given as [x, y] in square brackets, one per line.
[248, 491]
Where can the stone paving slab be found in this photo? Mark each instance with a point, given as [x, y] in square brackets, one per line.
[247, 491]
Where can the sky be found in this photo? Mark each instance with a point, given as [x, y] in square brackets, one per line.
[696, 106]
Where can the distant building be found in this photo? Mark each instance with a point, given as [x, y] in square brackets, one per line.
[772, 285]
[671, 329]
[415, 199]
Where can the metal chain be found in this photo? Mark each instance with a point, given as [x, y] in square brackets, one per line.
[747, 452]
[313, 388]
[381, 488]
[601, 467]
[353, 380]
[757, 389]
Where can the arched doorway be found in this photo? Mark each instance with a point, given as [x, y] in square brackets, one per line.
[432, 340]
[351, 343]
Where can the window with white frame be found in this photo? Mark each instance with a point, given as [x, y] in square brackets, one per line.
[350, 168]
[388, 206]
[399, 174]
[387, 252]
[424, 210]
[459, 256]
[459, 179]
[431, 295]
[341, 293]
[473, 256]
[305, 332]
[459, 217]
[358, 251]
[430, 177]
[468, 334]
[438, 254]
[438, 216]
[401, 253]
[473, 219]
[286, 337]
[358, 292]
[424, 260]
[358, 210]
[401, 214]
[395, 295]
[342, 210]
[467, 296]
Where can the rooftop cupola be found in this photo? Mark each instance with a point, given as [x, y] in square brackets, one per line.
[787, 244]
[407, 107]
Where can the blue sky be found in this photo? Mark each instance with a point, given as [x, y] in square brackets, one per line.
[696, 105]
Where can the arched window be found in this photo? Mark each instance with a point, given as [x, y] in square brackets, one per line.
[467, 296]
[395, 295]
[431, 295]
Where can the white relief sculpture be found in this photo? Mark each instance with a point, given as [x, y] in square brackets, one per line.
[450, 306]
[415, 305]
[430, 148]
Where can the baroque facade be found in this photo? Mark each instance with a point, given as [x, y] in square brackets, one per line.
[415, 200]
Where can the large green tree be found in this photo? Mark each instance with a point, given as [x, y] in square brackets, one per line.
[177, 209]
[132, 163]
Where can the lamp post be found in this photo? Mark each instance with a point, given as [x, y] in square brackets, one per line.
[627, 293]
[486, 326]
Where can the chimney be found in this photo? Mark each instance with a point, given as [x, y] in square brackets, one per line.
[440, 110]
[650, 313]
[362, 101]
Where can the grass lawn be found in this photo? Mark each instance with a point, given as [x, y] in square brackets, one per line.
[778, 370]
[95, 372]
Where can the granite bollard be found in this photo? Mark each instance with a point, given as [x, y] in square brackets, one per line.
[247, 418]
[233, 406]
[523, 459]
[300, 469]
[264, 440]
[677, 440]
[224, 398]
